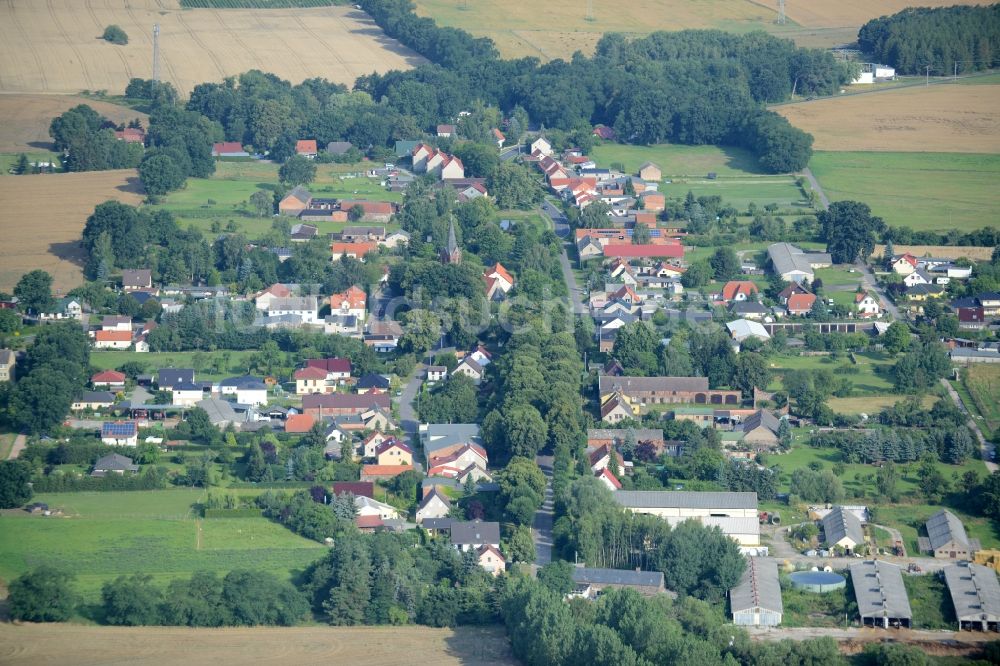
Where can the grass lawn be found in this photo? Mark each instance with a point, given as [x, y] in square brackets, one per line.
[6, 444]
[839, 277]
[864, 381]
[104, 535]
[910, 518]
[681, 161]
[9, 160]
[740, 193]
[981, 384]
[924, 191]
[224, 197]
[106, 360]
[871, 404]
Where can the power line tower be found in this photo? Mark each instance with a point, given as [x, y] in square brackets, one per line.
[156, 52]
[590, 10]
[781, 12]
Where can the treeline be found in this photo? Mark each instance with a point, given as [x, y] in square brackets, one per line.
[257, 4]
[940, 37]
[87, 141]
[692, 87]
[623, 628]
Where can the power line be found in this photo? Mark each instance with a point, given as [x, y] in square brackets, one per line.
[781, 12]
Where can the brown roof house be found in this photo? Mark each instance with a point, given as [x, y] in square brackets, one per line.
[137, 279]
[761, 430]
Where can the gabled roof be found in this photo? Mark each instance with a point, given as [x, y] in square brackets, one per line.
[429, 497]
[760, 418]
[245, 382]
[392, 443]
[944, 527]
[299, 423]
[301, 194]
[735, 287]
[801, 302]
[174, 376]
[840, 523]
[879, 590]
[624, 577]
[354, 297]
[500, 271]
[975, 592]
[652, 251]
[310, 372]
[115, 462]
[108, 377]
[335, 364]
[758, 587]
[606, 474]
[372, 381]
[138, 277]
[652, 499]
[356, 488]
[306, 146]
[475, 532]
[219, 411]
[103, 397]
[113, 336]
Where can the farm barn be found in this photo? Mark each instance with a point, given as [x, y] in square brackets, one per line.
[756, 600]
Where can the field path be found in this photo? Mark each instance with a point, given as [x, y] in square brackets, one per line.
[984, 446]
[807, 172]
[541, 529]
[19, 443]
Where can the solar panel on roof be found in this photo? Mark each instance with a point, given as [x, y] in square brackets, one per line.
[119, 429]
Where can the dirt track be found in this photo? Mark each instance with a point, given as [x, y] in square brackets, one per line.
[362, 646]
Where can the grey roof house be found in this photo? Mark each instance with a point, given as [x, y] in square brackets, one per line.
[474, 534]
[113, 464]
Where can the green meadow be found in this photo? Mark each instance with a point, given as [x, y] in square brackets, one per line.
[923, 191]
[104, 535]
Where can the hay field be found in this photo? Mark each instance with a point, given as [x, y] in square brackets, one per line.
[54, 46]
[946, 251]
[939, 118]
[557, 28]
[26, 118]
[148, 646]
[42, 218]
[824, 13]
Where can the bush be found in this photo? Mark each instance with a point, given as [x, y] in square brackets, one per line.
[115, 35]
[42, 595]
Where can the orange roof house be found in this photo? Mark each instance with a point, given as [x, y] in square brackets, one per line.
[299, 423]
[356, 250]
[738, 290]
[352, 299]
[800, 304]
[109, 377]
[306, 147]
[376, 472]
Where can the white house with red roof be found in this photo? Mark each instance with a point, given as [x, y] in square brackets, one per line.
[738, 290]
[337, 369]
[311, 380]
[904, 264]
[112, 339]
[481, 356]
[349, 303]
[435, 504]
[262, 300]
[112, 379]
[419, 156]
[453, 462]
[452, 168]
[499, 282]
[608, 479]
[306, 148]
[867, 305]
[498, 136]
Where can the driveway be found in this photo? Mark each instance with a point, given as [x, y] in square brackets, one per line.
[560, 223]
[816, 187]
[20, 442]
[541, 530]
[407, 414]
[985, 448]
[871, 284]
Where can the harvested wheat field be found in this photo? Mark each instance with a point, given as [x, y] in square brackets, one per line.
[939, 118]
[944, 251]
[42, 218]
[824, 13]
[361, 646]
[26, 118]
[55, 46]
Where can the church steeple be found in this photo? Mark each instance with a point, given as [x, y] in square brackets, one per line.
[452, 253]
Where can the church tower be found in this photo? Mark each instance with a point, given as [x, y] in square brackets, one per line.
[452, 254]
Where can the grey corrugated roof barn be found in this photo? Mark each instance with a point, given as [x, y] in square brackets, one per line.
[756, 600]
[881, 595]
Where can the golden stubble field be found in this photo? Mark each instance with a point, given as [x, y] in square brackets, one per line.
[939, 118]
[26, 118]
[557, 28]
[54, 46]
[152, 646]
[42, 218]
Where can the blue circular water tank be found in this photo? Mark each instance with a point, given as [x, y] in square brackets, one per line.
[817, 581]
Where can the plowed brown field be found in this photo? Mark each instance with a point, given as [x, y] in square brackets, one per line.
[940, 118]
[42, 217]
[149, 646]
[55, 45]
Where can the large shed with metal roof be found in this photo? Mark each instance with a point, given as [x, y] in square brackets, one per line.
[842, 528]
[946, 537]
[756, 599]
[975, 594]
[881, 595]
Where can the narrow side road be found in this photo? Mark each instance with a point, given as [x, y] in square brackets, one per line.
[541, 530]
[407, 414]
[807, 172]
[871, 284]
